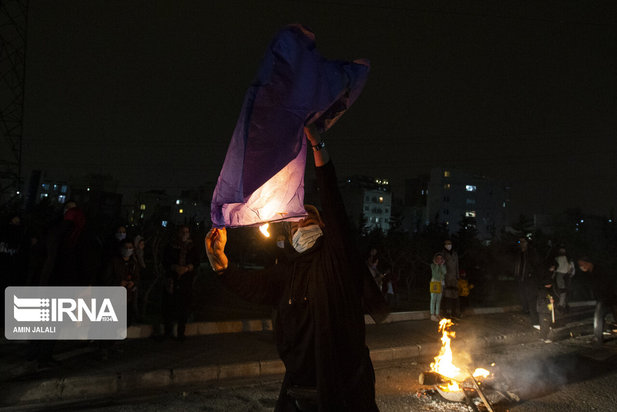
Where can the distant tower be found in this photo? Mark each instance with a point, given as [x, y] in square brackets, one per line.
[13, 23]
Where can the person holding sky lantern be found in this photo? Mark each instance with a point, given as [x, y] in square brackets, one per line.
[318, 296]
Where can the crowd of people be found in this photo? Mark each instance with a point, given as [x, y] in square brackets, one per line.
[67, 252]
[544, 284]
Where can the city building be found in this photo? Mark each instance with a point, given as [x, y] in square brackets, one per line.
[368, 202]
[413, 209]
[455, 196]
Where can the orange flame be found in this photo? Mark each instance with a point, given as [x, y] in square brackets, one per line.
[264, 229]
[443, 364]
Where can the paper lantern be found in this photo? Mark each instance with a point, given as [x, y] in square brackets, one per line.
[262, 179]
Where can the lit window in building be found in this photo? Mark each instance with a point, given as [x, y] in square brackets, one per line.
[380, 199]
[503, 204]
[385, 182]
[87, 189]
[446, 173]
[164, 223]
[376, 220]
[142, 206]
[178, 201]
[64, 188]
[470, 188]
[470, 213]
[44, 195]
[55, 187]
[181, 211]
[61, 198]
[447, 186]
[422, 191]
[45, 186]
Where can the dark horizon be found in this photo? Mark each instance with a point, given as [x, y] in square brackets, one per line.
[150, 92]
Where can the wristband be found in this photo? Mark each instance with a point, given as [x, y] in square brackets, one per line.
[319, 146]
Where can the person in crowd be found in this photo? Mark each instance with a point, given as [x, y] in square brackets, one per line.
[372, 262]
[389, 288]
[545, 302]
[12, 252]
[604, 285]
[114, 243]
[283, 252]
[12, 256]
[181, 260]
[139, 245]
[64, 265]
[124, 270]
[318, 297]
[526, 265]
[438, 273]
[464, 289]
[564, 270]
[450, 292]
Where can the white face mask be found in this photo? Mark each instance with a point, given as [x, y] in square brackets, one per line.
[305, 237]
[281, 244]
[448, 247]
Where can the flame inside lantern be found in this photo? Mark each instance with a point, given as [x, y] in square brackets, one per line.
[264, 229]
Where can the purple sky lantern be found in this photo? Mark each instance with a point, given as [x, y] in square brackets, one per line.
[262, 179]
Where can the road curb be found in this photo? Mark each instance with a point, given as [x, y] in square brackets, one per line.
[265, 325]
[89, 387]
[84, 387]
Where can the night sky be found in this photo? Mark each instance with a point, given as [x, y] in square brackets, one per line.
[150, 91]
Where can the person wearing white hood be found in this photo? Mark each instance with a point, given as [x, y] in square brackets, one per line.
[318, 298]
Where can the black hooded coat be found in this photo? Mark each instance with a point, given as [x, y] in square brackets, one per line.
[319, 296]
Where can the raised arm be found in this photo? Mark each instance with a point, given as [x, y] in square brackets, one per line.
[334, 213]
[320, 152]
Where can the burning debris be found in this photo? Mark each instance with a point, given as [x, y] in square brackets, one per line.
[455, 384]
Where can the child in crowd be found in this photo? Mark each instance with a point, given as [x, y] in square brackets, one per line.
[464, 288]
[438, 273]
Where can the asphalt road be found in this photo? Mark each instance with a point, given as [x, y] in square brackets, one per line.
[562, 376]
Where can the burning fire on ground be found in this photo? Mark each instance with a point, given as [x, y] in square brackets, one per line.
[452, 382]
[444, 365]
